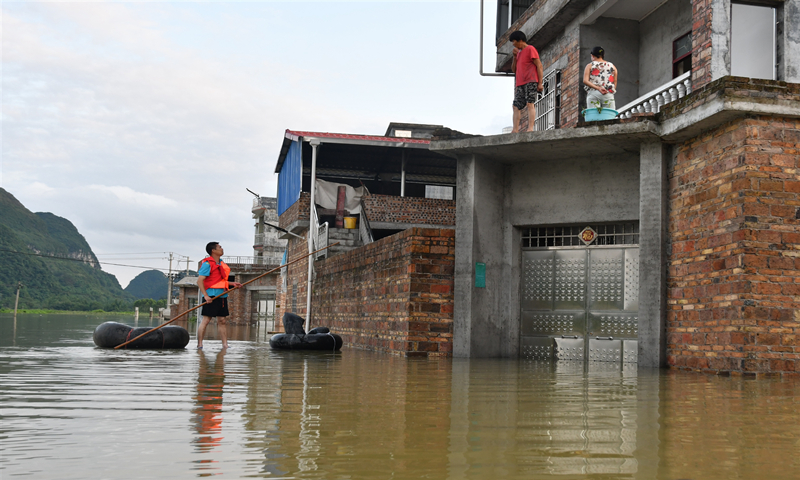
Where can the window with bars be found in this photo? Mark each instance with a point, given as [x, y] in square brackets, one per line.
[570, 235]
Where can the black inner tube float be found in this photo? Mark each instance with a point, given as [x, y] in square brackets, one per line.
[111, 334]
[296, 338]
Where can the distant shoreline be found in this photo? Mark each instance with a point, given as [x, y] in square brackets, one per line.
[67, 312]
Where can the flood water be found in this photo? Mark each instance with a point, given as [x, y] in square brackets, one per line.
[69, 410]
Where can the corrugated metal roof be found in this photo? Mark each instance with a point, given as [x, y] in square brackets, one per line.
[348, 136]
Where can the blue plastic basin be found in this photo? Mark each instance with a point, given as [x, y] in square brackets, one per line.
[592, 115]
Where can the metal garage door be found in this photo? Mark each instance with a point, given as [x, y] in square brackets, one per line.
[580, 288]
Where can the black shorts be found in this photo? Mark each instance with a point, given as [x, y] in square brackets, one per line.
[217, 308]
[525, 94]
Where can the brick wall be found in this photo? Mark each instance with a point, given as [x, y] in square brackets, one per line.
[295, 273]
[431, 211]
[394, 295]
[298, 211]
[241, 304]
[185, 293]
[571, 81]
[733, 281]
[701, 42]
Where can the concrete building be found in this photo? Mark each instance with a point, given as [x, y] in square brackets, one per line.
[389, 204]
[668, 236]
[268, 250]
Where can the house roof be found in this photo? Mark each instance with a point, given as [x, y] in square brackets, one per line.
[347, 139]
[365, 138]
[187, 281]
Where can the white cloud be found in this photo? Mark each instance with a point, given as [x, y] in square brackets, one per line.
[143, 123]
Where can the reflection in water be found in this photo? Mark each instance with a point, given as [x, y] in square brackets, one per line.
[208, 409]
[543, 419]
[69, 410]
[257, 332]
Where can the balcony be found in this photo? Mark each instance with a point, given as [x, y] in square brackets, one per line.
[652, 101]
[259, 240]
[268, 239]
[258, 207]
[253, 263]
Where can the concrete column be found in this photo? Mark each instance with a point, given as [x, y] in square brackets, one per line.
[465, 214]
[403, 174]
[481, 317]
[653, 198]
[789, 41]
[312, 229]
[720, 39]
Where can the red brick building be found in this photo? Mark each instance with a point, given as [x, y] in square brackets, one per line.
[388, 284]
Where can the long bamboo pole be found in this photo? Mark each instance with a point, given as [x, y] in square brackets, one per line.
[223, 293]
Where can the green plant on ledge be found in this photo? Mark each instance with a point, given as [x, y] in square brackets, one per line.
[599, 105]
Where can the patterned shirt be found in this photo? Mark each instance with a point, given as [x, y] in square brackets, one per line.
[602, 74]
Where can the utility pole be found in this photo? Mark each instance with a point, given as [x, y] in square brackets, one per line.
[169, 282]
[16, 302]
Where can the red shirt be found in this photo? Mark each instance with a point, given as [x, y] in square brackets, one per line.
[526, 69]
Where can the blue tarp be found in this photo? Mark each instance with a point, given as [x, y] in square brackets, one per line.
[290, 178]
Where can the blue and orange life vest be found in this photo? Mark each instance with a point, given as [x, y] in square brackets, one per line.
[218, 278]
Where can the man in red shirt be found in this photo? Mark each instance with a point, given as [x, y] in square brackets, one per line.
[528, 69]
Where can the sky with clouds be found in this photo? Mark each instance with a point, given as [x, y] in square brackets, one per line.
[144, 122]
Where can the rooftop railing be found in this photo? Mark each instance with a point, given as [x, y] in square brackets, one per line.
[654, 100]
[265, 260]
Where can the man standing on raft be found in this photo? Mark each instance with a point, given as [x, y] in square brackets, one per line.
[213, 280]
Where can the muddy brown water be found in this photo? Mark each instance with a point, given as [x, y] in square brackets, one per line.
[69, 410]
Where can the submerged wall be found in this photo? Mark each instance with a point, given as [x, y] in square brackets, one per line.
[734, 213]
[394, 295]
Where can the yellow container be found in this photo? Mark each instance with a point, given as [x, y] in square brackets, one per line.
[349, 222]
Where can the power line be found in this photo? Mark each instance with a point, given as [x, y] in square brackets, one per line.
[79, 260]
[131, 253]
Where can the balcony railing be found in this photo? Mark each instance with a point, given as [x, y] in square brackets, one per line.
[321, 239]
[654, 100]
[363, 228]
[548, 105]
[248, 261]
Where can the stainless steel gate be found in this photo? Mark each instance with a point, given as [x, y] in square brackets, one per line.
[580, 303]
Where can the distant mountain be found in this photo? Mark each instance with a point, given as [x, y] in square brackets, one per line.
[150, 284]
[72, 282]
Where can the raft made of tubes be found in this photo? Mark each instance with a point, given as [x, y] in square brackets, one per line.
[296, 338]
[309, 341]
[111, 334]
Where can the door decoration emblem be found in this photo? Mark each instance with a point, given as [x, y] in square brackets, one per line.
[588, 235]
